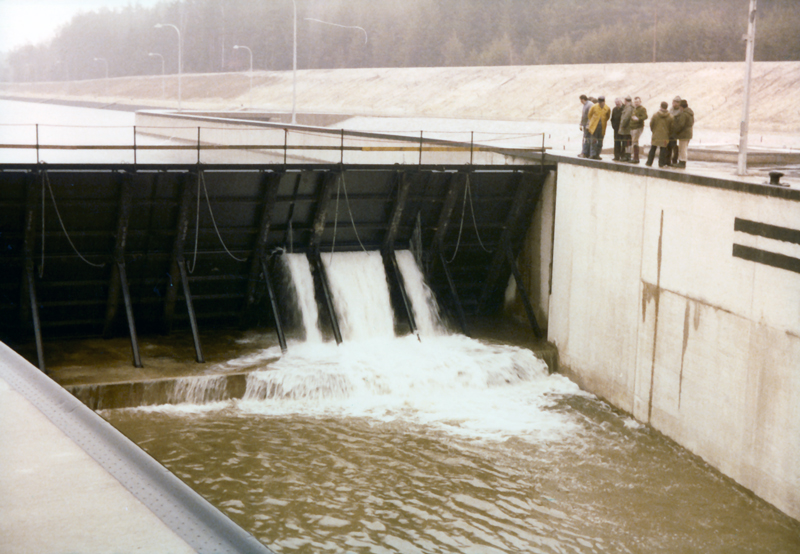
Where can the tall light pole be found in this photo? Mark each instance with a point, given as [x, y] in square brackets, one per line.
[750, 38]
[294, 67]
[180, 57]
[105, 61]
[341, 26]
[237, 47]
[163, 78]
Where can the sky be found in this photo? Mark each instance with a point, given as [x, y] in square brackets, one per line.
[35, 21]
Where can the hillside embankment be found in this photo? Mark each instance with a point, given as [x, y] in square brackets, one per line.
[523, 93]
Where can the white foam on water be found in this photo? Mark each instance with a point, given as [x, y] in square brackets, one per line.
[252, 360]
[454, 383]
[360, 294]
[423, 302]
[300, 271]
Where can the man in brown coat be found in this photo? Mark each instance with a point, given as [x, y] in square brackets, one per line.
[660, 125]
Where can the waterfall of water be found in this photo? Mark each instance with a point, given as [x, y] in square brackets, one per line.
[360, 294]
[423, 302]
[300, 271]
[198, 390]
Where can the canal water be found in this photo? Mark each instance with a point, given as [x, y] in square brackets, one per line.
[428, 443]
[437, 442]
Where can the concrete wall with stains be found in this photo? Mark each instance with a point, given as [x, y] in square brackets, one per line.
[680, 303]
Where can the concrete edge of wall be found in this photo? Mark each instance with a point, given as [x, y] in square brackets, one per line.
[189, 515]
[688, 178]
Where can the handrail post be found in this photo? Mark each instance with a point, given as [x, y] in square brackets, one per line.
[285, 143]
[341, 159]
[134, 145]
[198, 145]
[37, 143]
[420, 148]
[471, 145]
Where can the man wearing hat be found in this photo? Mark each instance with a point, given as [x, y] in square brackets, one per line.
[625, 129]
[598, 118]
[672, 147]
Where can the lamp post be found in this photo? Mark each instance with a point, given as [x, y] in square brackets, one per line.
[163, 78]
[105, 61]
[294, 67]
[237, 47]
[180, 57]
[341, 26]
[66, 68]
[750, 38]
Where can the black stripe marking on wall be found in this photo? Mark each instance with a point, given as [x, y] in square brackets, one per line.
[767, 258]
[765, 230]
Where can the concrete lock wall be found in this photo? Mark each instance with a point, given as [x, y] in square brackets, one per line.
[651, 310]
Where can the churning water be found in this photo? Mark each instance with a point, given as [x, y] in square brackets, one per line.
[437, 443]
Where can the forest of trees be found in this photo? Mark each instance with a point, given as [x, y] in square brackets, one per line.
[405, 33]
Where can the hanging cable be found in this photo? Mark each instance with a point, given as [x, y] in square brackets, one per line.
[475, 223]
[205, 190]
[461, 225]
[46, 179]
[196, 231]
[347, 200]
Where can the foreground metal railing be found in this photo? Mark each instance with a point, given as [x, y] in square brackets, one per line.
[242, 141]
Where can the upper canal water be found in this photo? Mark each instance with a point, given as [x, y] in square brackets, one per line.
[432, 442]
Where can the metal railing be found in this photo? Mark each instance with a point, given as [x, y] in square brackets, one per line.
[249, 142]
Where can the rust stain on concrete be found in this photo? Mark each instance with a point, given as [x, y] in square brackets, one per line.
[655, 327]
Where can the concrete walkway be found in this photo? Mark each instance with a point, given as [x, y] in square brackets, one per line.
[69, 482]
[55, 498]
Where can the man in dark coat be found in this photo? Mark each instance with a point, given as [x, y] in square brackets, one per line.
[673, 140]
[616, 114]
[683, 131]
[587, 137]
[661, 126]
[625, 129]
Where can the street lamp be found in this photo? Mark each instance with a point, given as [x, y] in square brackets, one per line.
[237, 47]
[342, 26]
[105, 61]
[750, 38]
[180, 56]
[66, 68]
[163, 79]
[294, 67]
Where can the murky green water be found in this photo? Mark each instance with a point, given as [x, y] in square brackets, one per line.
[353, 484]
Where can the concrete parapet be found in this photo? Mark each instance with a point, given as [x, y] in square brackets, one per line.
[678, 303]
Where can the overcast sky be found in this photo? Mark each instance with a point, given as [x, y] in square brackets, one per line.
[35, 21]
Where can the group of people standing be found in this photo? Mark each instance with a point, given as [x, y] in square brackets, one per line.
[671, 130]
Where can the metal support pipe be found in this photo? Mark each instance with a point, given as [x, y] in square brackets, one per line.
[28, 280]
[37, 326]
[181, 231]
[270, 182]
[123, 216]
[126, 295]
[198, 350]
[523, 292]
[397, 211]
[274, 303]
[316, 262]
[459, 309]
[412, 323]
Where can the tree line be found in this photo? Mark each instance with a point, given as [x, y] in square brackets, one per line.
[410, 33]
